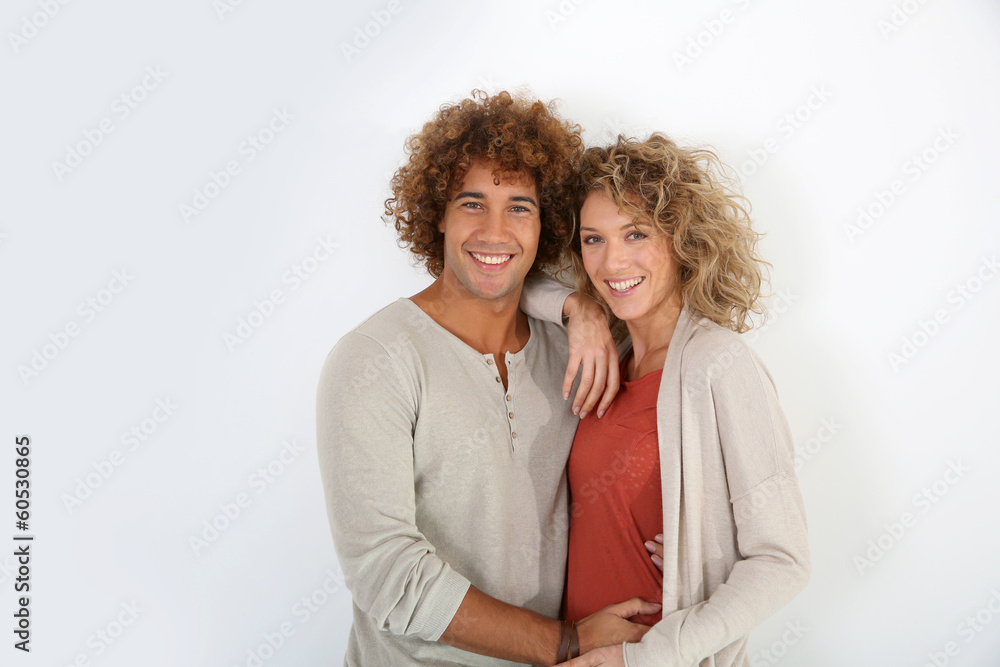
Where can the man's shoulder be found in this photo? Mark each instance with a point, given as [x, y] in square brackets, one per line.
[390, 330]
[550, 335]
[387, 318]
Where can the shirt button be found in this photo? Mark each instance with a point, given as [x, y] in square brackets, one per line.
[513, 435]
[508, 398]
[489, 362]
[510, 414]
[498, 378]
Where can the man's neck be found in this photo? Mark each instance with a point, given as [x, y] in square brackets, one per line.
[490, 326]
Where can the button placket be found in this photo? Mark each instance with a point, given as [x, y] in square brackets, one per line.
[511, 380]
[489, 362]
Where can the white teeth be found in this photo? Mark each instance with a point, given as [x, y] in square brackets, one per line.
[625, 284]
[491, 259]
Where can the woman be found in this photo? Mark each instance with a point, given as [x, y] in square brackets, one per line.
[695, 443]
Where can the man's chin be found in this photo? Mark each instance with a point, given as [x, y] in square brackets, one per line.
[490, 291]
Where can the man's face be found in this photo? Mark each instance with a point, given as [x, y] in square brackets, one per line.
[490, 233]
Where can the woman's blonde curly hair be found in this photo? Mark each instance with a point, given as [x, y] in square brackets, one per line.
[686, 194]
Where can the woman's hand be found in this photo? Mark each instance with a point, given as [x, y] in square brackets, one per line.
[592, 347]
[608, 656]
[655, 549]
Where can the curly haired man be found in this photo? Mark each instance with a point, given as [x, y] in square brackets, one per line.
[442, 435]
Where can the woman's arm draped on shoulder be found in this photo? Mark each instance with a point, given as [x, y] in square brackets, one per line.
[738, 394]
[543, 298]
[592, 351]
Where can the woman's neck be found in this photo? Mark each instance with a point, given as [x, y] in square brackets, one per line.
[651, 337]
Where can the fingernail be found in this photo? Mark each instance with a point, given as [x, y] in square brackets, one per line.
[659, 538]
[656, 559]
[583, 414]
[650, 547]
[565, 395]
[576, 410]
[600, 413]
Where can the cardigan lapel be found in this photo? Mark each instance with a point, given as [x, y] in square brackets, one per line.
[678, 515]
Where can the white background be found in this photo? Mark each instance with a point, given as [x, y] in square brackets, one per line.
[834, 101]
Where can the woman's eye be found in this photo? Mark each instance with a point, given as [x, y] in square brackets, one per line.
[636, 235]
[591, 240]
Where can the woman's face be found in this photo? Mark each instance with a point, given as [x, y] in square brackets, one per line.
[630, 264]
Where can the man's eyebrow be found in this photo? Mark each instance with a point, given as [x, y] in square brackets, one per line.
[471, 194]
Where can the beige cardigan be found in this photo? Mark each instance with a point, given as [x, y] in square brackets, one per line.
[735, 539]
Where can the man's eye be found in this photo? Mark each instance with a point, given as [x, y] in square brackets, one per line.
[520, 209]
[471, 204]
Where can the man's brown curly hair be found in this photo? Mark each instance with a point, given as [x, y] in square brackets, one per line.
[520, 136]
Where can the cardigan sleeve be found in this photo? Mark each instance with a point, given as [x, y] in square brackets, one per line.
[736, 392]
[543, 299]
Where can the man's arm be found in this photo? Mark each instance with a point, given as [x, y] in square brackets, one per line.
[486, 625]
[366, 412]
[365, 416]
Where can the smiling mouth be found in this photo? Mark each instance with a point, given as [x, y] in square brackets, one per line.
[492, 260]
[623, 286]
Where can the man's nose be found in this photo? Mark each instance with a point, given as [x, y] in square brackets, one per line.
[494, 228]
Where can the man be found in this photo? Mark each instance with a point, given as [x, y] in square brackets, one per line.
[442, 435]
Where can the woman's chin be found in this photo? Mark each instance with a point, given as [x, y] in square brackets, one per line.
[623, 313]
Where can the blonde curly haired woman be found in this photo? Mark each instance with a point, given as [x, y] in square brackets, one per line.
[695, 444]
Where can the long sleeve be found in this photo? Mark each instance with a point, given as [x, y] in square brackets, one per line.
[543, 299]
[729, 392]
[366, 414]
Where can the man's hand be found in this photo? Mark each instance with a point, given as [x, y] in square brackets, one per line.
[611, 626]
[609, 656]
[592, 347]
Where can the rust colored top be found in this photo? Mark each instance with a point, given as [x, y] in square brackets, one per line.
[614, 480]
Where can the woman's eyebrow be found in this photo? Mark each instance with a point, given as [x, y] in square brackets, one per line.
[627, 224]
